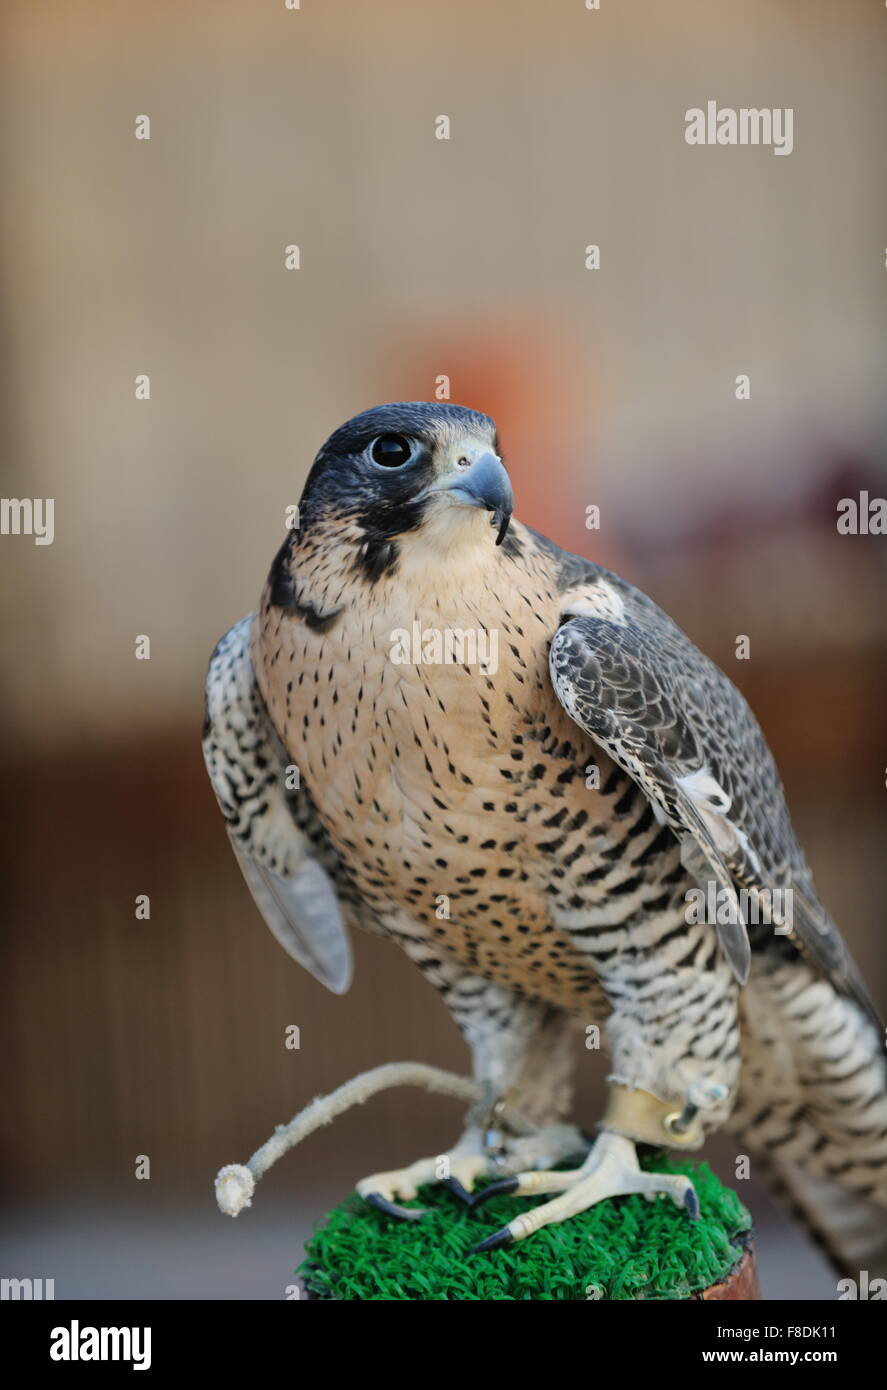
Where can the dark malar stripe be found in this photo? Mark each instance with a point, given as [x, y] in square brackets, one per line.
[282, 594]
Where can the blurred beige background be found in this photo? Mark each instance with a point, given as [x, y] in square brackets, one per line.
[419, 258]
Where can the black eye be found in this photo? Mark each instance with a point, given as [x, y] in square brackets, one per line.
[391, 450]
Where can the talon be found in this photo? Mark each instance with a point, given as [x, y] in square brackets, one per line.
[458, 1190]
[465, 1164]
[495, 1189]
[610, 1170]
[400, 1213]
[494, 1242]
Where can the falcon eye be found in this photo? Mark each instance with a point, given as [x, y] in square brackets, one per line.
[391, 450]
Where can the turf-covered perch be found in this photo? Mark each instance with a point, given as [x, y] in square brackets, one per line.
[627, 1248]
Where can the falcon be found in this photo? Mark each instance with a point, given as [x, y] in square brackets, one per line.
[531, 797]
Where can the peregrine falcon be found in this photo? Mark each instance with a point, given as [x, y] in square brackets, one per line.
[443, 728]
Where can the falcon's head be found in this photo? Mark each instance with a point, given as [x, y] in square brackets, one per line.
[409, 470]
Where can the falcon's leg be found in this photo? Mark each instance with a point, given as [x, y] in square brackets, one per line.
[522, 1056]
[469, 1159]
[674, 1038]
[610, 1170]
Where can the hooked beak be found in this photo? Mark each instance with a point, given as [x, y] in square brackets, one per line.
[483, 484]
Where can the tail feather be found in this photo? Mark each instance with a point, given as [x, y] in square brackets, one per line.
[813, 1104]
[850, 1230]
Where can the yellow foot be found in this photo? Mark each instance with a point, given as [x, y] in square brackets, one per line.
[460, 1169]
[610, 1170]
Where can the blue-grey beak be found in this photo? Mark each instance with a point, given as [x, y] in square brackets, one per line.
[483, 484]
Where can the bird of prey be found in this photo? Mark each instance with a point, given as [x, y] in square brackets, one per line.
[443, 728]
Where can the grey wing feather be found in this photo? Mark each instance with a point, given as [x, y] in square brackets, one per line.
[304, 915]
[667, 715]
[292, 870]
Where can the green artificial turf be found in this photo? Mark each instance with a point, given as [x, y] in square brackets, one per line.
[626, 1248]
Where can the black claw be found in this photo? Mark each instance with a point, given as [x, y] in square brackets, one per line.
[691, 1202]
[493, 1242]
[495, 1189]
[376, 1199]
[453, 1185]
